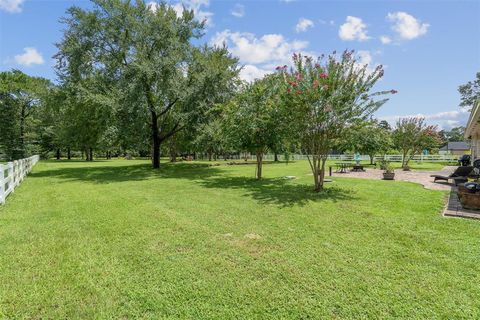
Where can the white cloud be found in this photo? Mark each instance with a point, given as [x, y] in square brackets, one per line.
[385, 39]
[29, 57]
[364, 57]
[253, 50]
[260, 55]
[407, 26]
[198, 8]
[238, 11]
[303, 24]
[196, 5]
[12, 6]
[445, 119]
[251, 72]
[353, 29]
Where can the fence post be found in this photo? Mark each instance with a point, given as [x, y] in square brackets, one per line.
[2, 184]
[11, 184]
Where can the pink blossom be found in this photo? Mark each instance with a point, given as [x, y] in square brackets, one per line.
[323, 75]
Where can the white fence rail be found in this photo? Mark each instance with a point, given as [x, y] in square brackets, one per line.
[351, 157]
[13, 173]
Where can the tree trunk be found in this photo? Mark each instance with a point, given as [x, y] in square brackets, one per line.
[22, 131]
[209, 156]
[316, 173]
[404, 159]
[58, 153]
[155, 142]
[259, 164]
[69, 154]
[275, 157]
[371, 158]
[173, 152]
[90, 154]
[318, 169]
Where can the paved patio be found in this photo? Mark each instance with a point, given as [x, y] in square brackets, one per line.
[417, 176]
[455, 209]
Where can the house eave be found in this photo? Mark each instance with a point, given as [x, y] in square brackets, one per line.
[473, 124]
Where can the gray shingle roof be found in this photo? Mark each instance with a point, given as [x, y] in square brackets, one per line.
[456, 145]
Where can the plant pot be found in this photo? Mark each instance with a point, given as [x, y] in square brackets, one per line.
[389, 176]
[469, 200]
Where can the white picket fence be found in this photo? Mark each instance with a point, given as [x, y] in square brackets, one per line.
[13, 173]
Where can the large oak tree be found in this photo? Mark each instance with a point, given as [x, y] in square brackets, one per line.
[146, 64]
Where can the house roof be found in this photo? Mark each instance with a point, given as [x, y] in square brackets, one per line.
[456, 145]
[473, 125]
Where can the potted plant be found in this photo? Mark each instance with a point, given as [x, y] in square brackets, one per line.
[389, 172]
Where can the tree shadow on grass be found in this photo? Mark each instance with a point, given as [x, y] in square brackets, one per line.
[132, 172]
[279, 191]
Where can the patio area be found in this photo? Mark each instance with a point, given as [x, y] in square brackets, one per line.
[417, 176]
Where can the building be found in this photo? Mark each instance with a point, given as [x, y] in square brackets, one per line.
[472, 131]
[456, 148]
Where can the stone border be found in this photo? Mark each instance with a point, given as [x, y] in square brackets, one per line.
[453, 208]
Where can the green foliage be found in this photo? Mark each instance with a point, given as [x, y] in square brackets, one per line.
[455, 134]
[368, 138]
[256, 118]
[325, 98]
[470, 92]
[411, 136]
[20, 100]
[145, 66]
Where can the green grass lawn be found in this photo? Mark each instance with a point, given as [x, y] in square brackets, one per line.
[117, 240]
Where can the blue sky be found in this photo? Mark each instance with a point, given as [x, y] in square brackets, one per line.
[428, 48]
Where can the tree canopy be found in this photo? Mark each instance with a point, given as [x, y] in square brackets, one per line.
[326, 96]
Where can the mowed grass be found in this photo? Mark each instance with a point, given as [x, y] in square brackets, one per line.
[116, 239]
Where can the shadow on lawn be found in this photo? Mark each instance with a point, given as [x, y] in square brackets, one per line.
[269, 190]
[278, 191]
[134, 172]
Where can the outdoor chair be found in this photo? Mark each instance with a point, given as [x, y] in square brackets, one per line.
[459, 175]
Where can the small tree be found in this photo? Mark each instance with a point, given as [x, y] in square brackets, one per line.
[326, 97]
[255, 118]
[369, 138]
[470, 92]
[412, 135]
